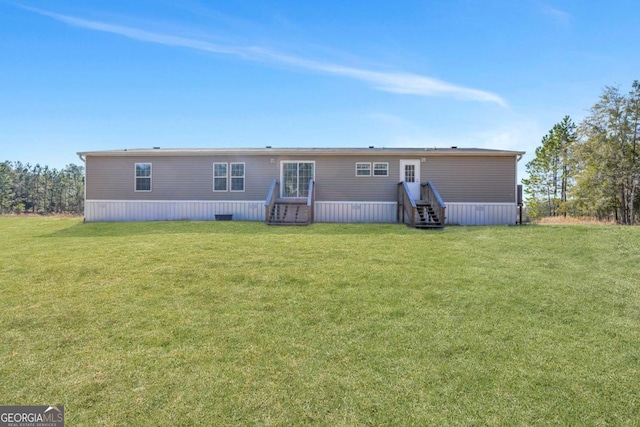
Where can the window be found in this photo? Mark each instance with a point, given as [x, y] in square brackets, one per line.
[223, 171]
[220, 177]
[295, 178]
[381, 169]
[410, 173]
[237, 176]
[143, 176]
[363, 169]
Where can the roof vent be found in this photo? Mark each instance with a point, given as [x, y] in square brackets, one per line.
[156, 148]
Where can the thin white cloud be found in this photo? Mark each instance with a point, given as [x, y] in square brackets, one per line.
[557, 15]
[393, 82]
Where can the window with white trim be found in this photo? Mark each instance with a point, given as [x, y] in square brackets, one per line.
[220, 180]
[295, 177]
[363, 169]
[237, 176]
[143, 177]
[381, 169]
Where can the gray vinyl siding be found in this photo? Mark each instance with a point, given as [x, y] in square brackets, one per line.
[471, 179]
[489, 179]
[175, 178]
[336, 179]
[476, 179]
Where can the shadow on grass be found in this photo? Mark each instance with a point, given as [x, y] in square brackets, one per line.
[123, 229]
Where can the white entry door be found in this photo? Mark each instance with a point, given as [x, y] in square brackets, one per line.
[410, 172]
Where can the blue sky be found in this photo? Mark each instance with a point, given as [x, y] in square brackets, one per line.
[78, 76]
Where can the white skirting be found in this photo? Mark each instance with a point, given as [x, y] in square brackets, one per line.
[169, 210]
[374, 212]
[481, 213]
[253, 210]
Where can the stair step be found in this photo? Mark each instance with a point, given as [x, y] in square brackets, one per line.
[427, 216]
[289, 214]
[434, 226]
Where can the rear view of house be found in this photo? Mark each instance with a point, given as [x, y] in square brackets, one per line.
[421, 187]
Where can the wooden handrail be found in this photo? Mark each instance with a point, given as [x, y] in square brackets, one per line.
[431, 194]
[406, 204]
[433, 189]
[408, 194]
[271, 199]
[311, 198]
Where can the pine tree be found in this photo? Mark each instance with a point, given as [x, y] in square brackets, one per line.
[550, 172]
[609, 159]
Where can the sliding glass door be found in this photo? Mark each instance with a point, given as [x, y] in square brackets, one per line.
[295, 178]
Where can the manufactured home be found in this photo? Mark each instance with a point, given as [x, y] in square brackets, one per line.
[423, 187]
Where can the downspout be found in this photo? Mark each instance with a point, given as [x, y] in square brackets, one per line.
[84, 205]
[520, 205]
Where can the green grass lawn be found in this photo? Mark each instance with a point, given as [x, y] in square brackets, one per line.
[235, 323]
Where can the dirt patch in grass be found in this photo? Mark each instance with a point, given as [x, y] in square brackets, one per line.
[38, 215]
[570, 220]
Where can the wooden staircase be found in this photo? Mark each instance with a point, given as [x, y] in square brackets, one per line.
[297, 211]
[288, 213]
[427, 216]
[427, 212]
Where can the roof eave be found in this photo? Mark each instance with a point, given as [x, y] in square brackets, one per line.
[307, 151]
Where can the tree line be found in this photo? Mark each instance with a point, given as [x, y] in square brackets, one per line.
[592, 168]
[39, 189]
